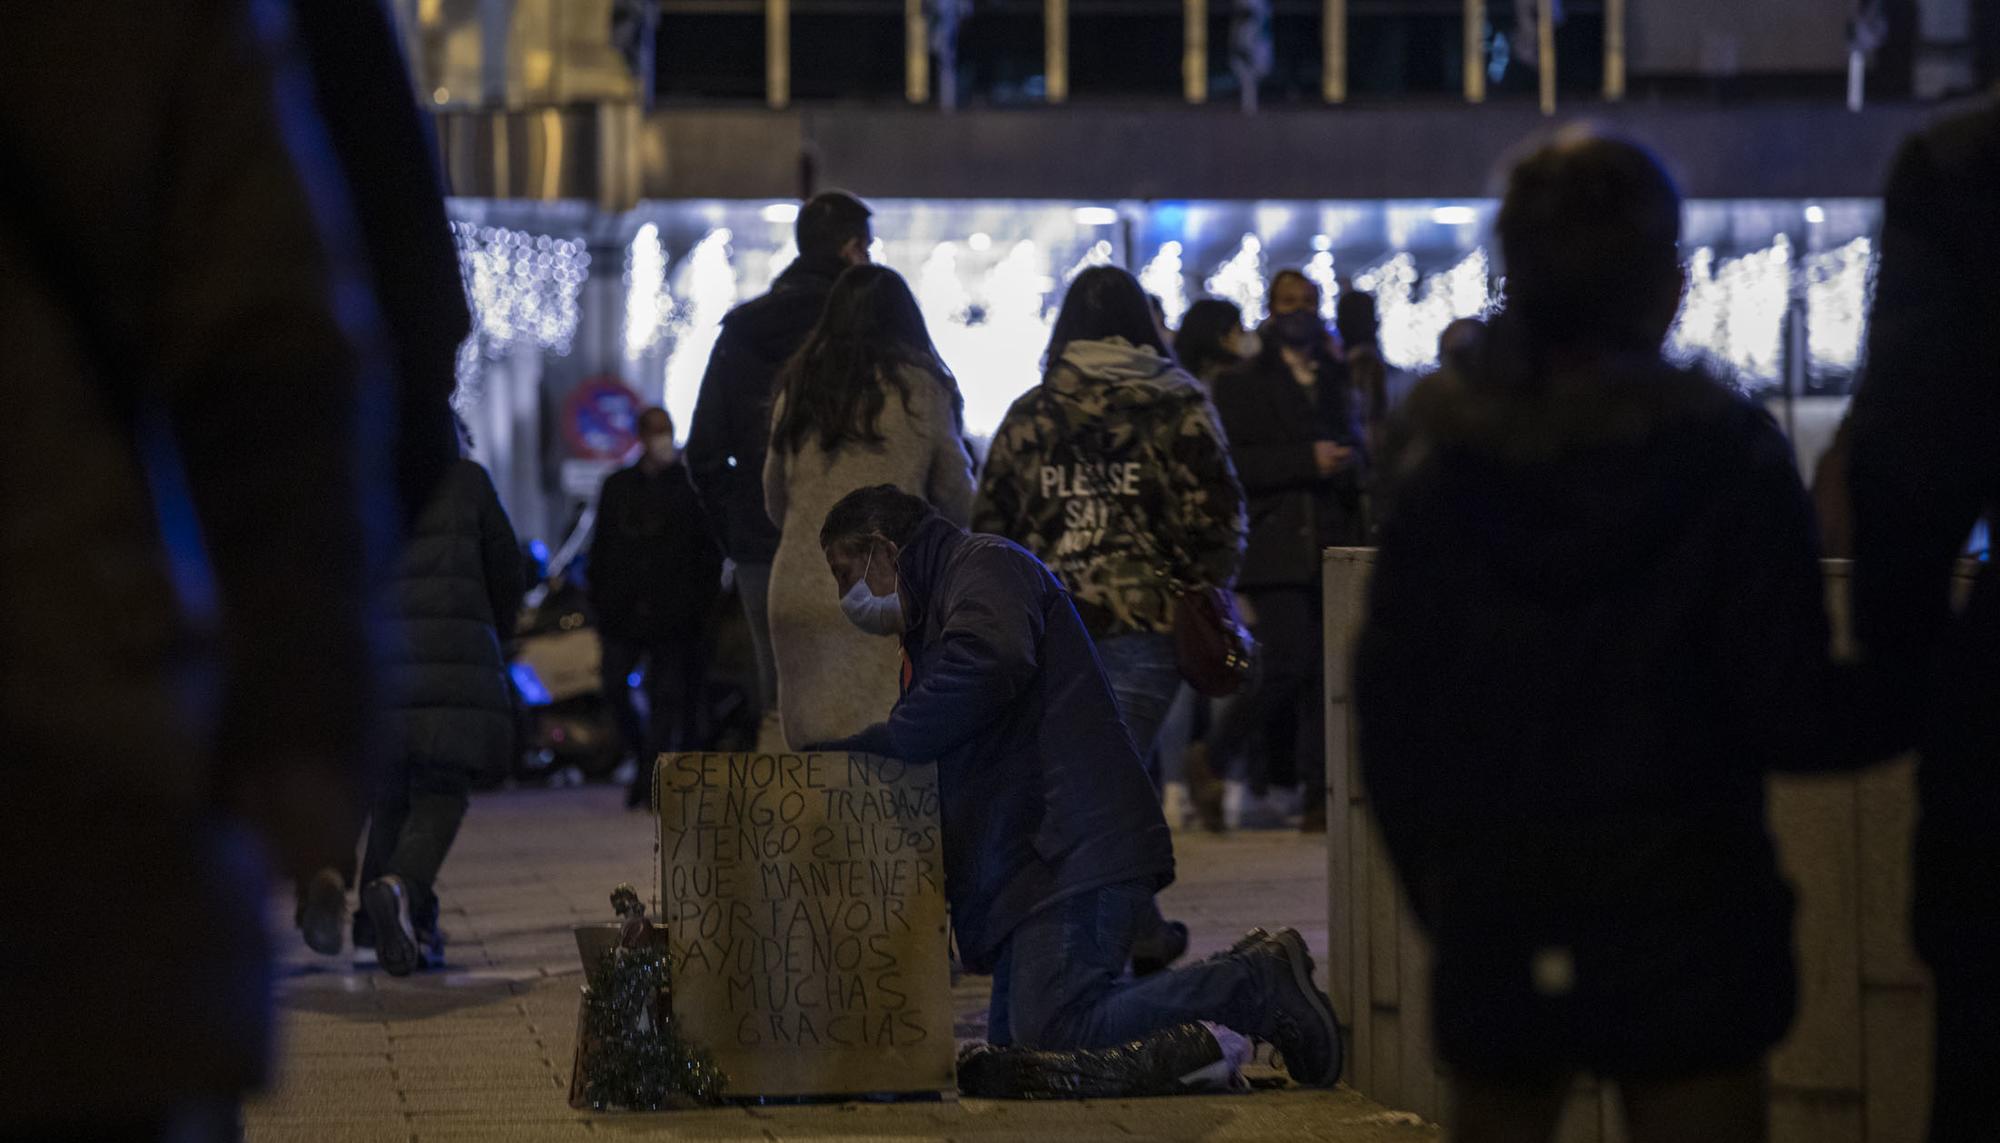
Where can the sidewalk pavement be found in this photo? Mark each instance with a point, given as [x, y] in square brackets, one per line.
[481, 1050]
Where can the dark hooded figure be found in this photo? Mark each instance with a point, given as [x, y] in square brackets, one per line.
[1595, 625]
[1925, 467]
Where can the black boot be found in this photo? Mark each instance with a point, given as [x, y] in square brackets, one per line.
[1301, 1022]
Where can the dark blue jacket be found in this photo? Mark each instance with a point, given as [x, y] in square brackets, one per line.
[655, 571]
[1925, 468]
[1043, 794]
[732, 417]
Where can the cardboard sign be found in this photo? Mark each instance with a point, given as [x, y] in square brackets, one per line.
[804, 900]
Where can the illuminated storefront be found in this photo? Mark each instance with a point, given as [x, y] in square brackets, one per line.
[1777, 294]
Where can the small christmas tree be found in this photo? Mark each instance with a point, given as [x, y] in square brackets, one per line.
[635, 1058]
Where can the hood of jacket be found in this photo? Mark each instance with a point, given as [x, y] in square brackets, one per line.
[1562, 483]
[1098, 378]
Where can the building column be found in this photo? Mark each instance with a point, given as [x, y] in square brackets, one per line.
[1475, 51]
[1333, 49]
[916, 53]
[1614, 49]
[1055, 49]
[1194, 50]
[1545, 44]
[778, 52]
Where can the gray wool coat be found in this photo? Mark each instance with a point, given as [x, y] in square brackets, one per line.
[833, 680]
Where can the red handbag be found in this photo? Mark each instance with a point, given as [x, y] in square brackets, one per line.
[1211, 646]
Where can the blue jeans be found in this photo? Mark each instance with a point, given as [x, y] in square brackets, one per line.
[1059, 982]
[1176, 733]
[1145, 677]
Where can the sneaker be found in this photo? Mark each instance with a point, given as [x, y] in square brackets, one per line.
[430, 945]
[1155, 952]
[1235, 797]
[387, 901]
[322, 912]
[1303, 1027]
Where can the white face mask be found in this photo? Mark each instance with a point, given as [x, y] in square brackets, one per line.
[1249, 345]
[874, 614]
[661, 450]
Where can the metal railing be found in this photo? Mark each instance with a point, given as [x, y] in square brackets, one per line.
[525, 53]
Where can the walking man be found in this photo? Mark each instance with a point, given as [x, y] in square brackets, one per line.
[732, 418]
[655, 574]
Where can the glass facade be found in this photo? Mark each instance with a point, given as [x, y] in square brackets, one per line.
[1777, 298]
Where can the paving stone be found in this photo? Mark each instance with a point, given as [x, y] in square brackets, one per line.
[327, 1133]
[505, 1132]
[482, 1050]
[671, 1127]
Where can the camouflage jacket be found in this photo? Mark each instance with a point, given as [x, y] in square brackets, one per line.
[1115, 472]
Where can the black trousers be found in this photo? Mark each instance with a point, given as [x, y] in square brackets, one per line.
[1957, 921]
[412, 823]
[1965, 1105]
[1287, 683]
[675, 680]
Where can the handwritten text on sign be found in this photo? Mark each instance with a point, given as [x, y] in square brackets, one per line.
[804, 895]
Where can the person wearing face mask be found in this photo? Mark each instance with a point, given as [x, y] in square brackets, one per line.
[655, 575]
[1295, 434]
[1053, 843]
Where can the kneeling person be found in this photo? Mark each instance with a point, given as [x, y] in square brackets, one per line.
[1053, 842]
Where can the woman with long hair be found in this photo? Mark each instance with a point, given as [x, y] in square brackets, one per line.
[865, 401]
[1211, 340]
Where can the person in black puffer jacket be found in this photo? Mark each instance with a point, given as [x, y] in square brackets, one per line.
[1297, 441]
[458, 581]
